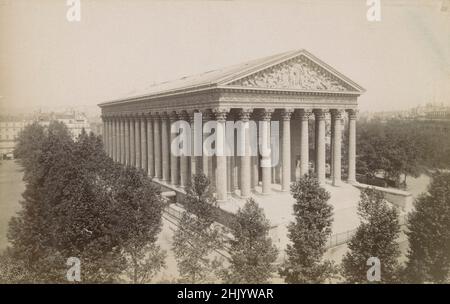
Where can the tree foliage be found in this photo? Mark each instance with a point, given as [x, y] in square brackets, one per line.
[79, 203]
[375, 237]
[391, 148]
[429, 234]
[197, 238]
[252, 253]
[308, 234]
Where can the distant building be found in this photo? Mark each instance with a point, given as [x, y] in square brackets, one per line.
[432, 111]
[74, 121]
[429, 112]
[11, 126]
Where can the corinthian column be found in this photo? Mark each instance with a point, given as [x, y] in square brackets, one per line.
[165, 151]
[157, 145]
[336, 120]
[122, 140]
[244, 116]
[127, 141]
[320, 146]
[144, 143]
[109, 136]
[206, 160]
[116, 139]
[132, 142]
[150, 148]
[195, 160]
[104, 132]
[137, 141]
[286, 150]
[351, 146]
[118, 146]
[184, 159]
[113, 138]
[266, 161]
[255, 157]
[174, 174]
[221, 159]
[304, 141]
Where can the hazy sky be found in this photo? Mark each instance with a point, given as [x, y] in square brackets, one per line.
[120, 45]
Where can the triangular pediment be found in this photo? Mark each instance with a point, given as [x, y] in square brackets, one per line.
[302, 72]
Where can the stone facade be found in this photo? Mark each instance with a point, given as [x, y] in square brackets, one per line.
[291, 88]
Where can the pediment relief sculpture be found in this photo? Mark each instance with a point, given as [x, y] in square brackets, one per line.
[297, 73]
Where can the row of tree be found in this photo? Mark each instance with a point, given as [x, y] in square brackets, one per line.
[252, 256]
[397, 148]
[79, 203]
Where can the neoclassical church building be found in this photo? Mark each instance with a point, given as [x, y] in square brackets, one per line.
[295, 88]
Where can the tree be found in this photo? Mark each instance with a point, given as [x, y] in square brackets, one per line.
[197, 237]
[429, 234]
[79, 203]
[251, 249]
[391, 148]
[308, 234]
[375, 237]
[141, 205]
[28, 144]
[30, 231]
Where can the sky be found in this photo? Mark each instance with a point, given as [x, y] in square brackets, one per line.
[120, 45]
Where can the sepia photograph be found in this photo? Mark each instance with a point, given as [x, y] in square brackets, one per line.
[222, 143]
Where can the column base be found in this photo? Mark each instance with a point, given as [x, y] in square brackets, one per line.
[352, 182]
[337, 184]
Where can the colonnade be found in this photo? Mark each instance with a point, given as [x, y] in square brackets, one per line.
[144, 141]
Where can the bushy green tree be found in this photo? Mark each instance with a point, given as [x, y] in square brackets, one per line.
[28, 146]
[197, 237]
[79, 203]
[376, 237]
[308, 234]
[252, 254]
[30, 232]
[141, 202]
[401, 147]
[429, 234]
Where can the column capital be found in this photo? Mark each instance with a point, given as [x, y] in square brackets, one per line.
[266, 114]
[286, 114]
[147, 116]
[221, 114]
[173, 116]
[352, 113]
[304, 114]
[245, 113]
[189, 115]
[336, 113]
[164, 115]
[320, 113]
[156, 116]
[206, 115]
